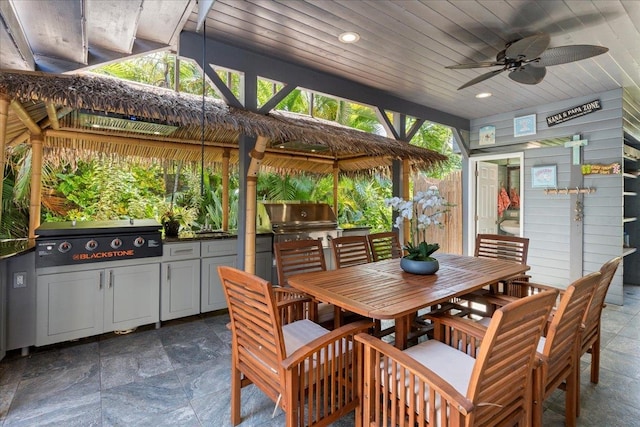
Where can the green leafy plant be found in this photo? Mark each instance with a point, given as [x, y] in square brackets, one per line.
[422, 252]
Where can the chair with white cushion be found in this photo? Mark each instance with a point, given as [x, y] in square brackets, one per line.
[436, 384]
[307, 370]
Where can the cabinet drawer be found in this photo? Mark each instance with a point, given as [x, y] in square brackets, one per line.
[264, 244]
[178, 251]
[219, 247]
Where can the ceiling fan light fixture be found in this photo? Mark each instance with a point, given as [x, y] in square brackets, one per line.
[483, 95]
[349, 37]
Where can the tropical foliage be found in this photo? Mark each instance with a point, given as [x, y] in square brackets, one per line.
[106, 188]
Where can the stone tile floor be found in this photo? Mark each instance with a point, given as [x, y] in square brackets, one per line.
[179, 375]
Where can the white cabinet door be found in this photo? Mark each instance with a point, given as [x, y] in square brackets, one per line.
[180, 289]
[212, 295]
[132, 297]
[69, 306]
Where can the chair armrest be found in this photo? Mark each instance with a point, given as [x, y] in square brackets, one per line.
[457, 332]
[341, 337]
[380, 355]
[294, 305]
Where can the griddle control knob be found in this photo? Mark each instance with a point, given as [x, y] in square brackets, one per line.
[64, 247]
[139, 242]
[116, 243]
[91, 245]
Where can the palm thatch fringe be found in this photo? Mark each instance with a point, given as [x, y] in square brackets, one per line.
[353, 151]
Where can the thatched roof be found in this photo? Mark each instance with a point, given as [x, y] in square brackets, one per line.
[291, 137]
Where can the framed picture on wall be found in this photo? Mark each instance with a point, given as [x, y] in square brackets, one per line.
[544, 176]
[487, 135]
[525, 125]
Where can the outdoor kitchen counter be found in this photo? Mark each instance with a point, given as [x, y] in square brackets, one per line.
[214, 235]
[13, 247]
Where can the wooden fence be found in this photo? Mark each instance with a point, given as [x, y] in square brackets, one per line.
[449, 236]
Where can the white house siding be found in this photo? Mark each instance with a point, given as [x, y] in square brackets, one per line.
[548, 219]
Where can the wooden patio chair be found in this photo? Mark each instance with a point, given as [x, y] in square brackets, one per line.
[306, 370]
[305, 256]
[506, 248]
[591, 323]
[559, 350]
[590, 338]
[495, 246]
[437, 384]
[350, 250]
[384, 245]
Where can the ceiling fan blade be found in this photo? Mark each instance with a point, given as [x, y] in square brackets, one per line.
[474, 65]
[529, 47]
[528, 75]
[565, 54]
[482, 77]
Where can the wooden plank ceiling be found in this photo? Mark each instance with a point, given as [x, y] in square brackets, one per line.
[403, 49]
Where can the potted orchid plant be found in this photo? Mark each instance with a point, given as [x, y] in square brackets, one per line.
[424, 210]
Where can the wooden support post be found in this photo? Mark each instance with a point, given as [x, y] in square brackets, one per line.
[336, 182]
[226, 154]
[406, 195]
[4, 116]
[35, 200]
[257, 154]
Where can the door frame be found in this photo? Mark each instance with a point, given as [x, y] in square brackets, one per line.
[471, 185]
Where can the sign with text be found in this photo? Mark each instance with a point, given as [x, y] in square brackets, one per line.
[612, 169]
[574, 112]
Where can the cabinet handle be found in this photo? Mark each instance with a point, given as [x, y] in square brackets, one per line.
[183, 251]
[168, 272]
[101, 280]
[110, 278]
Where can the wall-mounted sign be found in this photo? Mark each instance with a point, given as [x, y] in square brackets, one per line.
[544, 176]
[525, 125]
[574, 112]
[612, 169]
[487, 135]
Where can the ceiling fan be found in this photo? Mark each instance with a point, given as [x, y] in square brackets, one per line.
[526, 59]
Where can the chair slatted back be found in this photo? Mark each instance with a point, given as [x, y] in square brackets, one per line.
[501, 380]
[563, 331]
[298, 256]
[350, 250]
[499, 390]
[257, 342]
[594, 311]
[384, 245]
[508, 248]
[315, 383]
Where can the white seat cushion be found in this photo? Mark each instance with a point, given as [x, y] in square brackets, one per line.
[452, 365]
[299, 333]
[485, 321]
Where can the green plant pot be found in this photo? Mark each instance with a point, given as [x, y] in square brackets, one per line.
[419, 267]
[171, 228]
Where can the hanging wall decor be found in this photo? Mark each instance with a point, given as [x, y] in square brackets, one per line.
[525, 125]
[612, 169]
[544, 176]
[487, 135]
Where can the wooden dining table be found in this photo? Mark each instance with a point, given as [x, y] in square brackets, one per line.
[382, 290]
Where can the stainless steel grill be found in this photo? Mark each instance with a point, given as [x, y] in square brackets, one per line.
[299, 221]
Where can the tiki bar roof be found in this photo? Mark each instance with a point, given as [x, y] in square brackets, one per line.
[85, 114]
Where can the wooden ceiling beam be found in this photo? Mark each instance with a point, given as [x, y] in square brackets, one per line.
[25, 118]
[153, 143]
[52, 113]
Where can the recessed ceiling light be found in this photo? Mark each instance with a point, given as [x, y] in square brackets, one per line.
[349, 37]
[483, 95]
